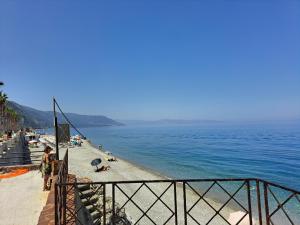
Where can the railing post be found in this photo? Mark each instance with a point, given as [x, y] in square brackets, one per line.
[61, 192]
[175, 202]
[55, 129]
[249, 201]
[56, 205]
[184, 203]
[258, 201]
[266, 203]
[113, 204]
[104, 204]
[65, 203]
[67, 161]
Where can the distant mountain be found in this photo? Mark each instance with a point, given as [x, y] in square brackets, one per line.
[169, 122]
[42, 119]
[174, 121]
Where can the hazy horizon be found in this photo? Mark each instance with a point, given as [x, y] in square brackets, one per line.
[152, 60]
[183, 120]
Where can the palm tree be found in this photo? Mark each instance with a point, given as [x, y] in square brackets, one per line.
[12, 119]
[9, 118]
[17, 119]
[3, 99]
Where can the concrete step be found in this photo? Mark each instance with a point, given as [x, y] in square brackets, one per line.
[83, 187]
[86, 194]
[89, 201]
[91, 208]
[95, 215]
[97, 222]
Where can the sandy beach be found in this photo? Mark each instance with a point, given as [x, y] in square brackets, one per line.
[121, 170]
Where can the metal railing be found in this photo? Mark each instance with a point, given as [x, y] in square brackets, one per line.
[61, 192]
[189, 201]
[281, 203]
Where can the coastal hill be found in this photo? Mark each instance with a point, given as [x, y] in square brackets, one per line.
[43, 119]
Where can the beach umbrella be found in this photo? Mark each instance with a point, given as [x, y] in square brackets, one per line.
[96, 163]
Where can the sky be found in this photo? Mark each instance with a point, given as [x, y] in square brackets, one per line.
[154, 59]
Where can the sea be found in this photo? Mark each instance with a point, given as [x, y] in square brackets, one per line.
[268, 151]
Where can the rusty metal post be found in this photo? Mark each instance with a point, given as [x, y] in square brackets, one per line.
[67, 164]
[55, 129]
[266, 203]
[175, 203]
[113, 204]
[64, 203]
[56, 204]
[249, 201]
[104, 204]
[184, 203]
[258, 202]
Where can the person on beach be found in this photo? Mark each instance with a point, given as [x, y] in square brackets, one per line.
[104, 168]
[46, 166]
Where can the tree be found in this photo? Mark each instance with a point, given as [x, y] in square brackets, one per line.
[9, 118]
[12, 119]
[3, 99]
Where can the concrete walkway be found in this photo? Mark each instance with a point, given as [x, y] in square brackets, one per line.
[22, 199]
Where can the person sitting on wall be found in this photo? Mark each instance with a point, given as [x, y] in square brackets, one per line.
[46, 167]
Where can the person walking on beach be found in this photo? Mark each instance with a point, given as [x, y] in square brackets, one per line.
[46, 167]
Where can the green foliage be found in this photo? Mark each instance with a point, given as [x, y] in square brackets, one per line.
[9, 118]
[3, 98]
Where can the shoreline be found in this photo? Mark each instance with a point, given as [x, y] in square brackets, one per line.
[124, 170]
[156, 173]
[160, 175]
[141, 167]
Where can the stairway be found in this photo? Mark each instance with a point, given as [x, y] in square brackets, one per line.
[14, 152]
[91, 197]
[90, 200]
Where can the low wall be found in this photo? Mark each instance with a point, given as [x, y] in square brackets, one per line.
[47, 216]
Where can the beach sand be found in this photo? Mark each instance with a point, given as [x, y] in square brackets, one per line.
[122, 170]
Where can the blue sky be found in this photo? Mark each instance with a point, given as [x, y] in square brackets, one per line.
[137, 59]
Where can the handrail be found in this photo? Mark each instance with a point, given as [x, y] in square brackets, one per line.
[188, 180]
[162, 180]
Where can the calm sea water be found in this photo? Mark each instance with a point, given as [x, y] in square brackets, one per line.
[268, 151]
